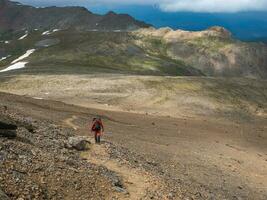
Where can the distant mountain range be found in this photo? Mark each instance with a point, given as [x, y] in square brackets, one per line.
[16, 16]
[75, 40]
[247, 26]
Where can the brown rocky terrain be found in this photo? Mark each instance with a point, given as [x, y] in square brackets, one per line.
[38, 163]
[187, 159]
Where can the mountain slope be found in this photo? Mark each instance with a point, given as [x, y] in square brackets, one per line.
[16, 16]
[214, 52]
[147, 51]
[72, 51]
[74, 40]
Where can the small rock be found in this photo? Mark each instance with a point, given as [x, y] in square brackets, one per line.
[119, 189]
[237, 198]
[170, 195]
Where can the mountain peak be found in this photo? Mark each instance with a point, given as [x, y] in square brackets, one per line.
[223, 32]
[21, 16]
[111, 13]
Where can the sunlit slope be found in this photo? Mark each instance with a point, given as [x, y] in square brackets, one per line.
[183, 96]
[211, 52]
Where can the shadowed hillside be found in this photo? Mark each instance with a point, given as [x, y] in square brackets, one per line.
[16, 16]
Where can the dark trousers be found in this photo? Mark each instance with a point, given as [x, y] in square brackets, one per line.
[97, 138]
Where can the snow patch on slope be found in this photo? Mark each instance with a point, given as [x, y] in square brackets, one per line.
[46, 33]
[55, 30]
[24, 36]
[3, 58]
[18, 65]
[27, 54]
[50, 32]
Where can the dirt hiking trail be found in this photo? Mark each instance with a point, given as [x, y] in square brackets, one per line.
[135, 182]
[69, 122]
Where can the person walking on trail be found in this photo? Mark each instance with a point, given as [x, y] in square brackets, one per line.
[98, 129]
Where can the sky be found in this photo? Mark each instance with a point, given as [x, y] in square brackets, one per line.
[209, 6]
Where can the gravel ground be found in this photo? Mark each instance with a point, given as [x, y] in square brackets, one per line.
[39, 164]
[189, 158]
[36, 164]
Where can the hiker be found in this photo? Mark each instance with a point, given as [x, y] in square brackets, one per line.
[97, 128]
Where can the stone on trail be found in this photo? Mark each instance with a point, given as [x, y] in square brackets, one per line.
[79, 143]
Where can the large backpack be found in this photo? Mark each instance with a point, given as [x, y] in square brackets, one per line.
[97, 126]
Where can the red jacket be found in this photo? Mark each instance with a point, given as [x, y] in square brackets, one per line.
[94, 125]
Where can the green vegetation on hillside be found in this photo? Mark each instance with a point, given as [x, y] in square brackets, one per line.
[131, 53]
[15, 48]
[210, 43]
[107, 51]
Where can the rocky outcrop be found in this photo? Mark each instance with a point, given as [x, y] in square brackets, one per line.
[221, 32]
[171, 35]
[213, 51]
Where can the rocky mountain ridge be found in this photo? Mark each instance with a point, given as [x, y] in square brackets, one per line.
[16, 16]
[213, 51]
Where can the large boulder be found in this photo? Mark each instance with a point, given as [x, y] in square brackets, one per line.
[79, 143]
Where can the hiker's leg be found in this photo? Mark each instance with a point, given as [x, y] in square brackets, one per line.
[98, 139]
[95, 137]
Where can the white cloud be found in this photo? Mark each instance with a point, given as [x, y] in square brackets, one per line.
[171, 5]
[214, 5]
